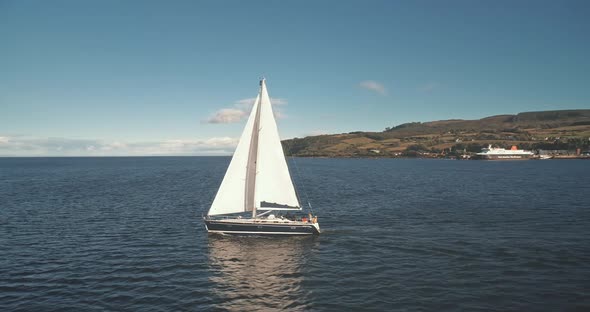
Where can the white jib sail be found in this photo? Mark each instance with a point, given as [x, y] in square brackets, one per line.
[231, 196]
[274, 187]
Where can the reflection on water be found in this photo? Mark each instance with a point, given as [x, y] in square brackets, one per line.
[260, 273]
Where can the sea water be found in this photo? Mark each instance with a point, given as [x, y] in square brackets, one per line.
[126, 234]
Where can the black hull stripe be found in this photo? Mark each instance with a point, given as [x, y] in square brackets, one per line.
[260, 233]
[261, 228]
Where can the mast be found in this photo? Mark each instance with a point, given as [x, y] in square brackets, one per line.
[250, 200]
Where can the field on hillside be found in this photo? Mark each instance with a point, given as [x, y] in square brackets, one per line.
[533, 130]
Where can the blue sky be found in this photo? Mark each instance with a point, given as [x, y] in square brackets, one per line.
[149, 77]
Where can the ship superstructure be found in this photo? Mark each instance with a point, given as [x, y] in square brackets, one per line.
[498, 153]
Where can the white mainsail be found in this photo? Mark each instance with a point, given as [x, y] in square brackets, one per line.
[257, 176]
[231, 195]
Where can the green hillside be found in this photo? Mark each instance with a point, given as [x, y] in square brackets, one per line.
[564, 129]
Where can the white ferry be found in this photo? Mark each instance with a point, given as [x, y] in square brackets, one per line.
[497, 153]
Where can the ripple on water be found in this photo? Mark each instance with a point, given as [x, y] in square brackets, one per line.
[125, 234]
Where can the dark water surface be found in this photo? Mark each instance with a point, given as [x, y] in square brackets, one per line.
[125, 234]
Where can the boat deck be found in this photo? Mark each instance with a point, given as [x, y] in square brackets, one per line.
[262, 221]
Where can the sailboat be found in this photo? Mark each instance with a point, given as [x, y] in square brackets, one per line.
[257, 183]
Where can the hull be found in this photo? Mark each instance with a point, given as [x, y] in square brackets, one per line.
[504, 157]
[260, 228]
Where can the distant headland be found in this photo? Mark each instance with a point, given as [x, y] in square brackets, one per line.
[562, 131]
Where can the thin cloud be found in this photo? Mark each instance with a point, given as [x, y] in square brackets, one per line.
[373, 86]
[241, 110]
[227, 115]
[39, 146]
[278, 114]
[429, 87]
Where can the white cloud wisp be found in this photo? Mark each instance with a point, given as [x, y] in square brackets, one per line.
[241, 110]
[373, 86]
[227, 115]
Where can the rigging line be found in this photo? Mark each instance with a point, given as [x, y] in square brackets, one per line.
[302, 184]
[262, 214]
[303, 188]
